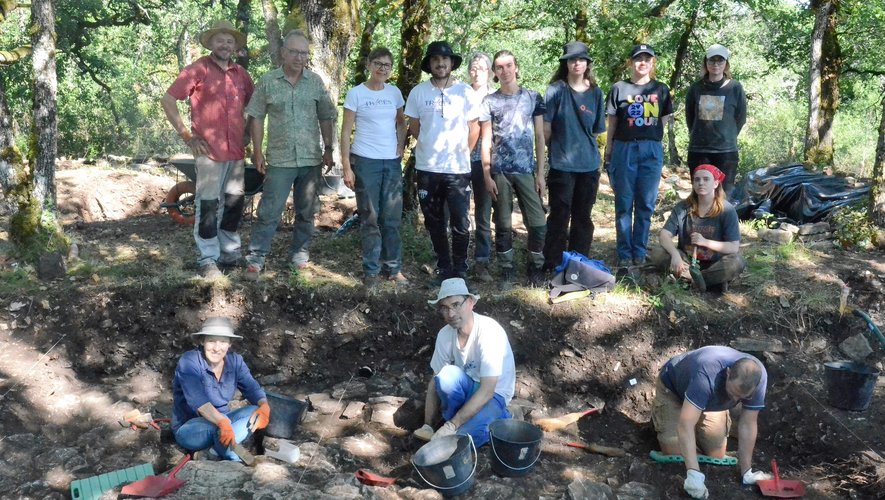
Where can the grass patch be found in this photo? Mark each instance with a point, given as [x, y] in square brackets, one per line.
[794, 253]
[16, 282]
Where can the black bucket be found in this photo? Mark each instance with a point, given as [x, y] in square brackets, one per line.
[447, 465]
[849, 384]
[516, 446]
[285, 415]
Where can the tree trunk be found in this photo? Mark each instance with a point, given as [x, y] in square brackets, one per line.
[681, 54]
[34, 227]
[244, 17]
[413, 37]
[9, 157]
[877, 193]
[823, 93]
[272, 31]
[581, 23]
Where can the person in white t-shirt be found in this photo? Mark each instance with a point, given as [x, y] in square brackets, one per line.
[474, 373]
[372, 166]
[443, 114]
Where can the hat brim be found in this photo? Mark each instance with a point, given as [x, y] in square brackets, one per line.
[211, 333]
[208, 34]
[456, 61]
[642, 52]
[575, 55]
[468, 294]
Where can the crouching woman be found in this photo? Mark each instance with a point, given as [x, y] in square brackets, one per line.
[706, 226]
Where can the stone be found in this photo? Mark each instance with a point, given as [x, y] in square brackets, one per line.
[813, 238]
[354, 410]
[757, 345]
[637, 490]
[323, 404]
[51, 266]
[775, 235]
[856, 347]
[366, 445]
[582, 488]
[814, 228]
[786, 226]
[354, 389]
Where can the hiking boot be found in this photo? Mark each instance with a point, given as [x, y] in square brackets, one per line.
[506, 282]
[536, 276]
[398, 279]
[229, 264]
[624, 263]
[370, 281]
[210, 271]
[481, 272]
[639, 261]
[440, 275]
[253, 272]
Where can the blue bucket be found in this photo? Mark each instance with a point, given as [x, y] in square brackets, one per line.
[516, 446]
[285, 415]
[447, 465]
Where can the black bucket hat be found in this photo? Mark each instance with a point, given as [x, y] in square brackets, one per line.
[575, 50]
[440, 48]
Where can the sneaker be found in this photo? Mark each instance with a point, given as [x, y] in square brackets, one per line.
[481, 272]
[398, 279]
[440, 275]
[370, 281]
[229, 264]
[639, 261]
[624, 263]
[210, 271]
[253, 272]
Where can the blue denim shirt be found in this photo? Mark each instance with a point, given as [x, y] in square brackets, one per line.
[194, 385]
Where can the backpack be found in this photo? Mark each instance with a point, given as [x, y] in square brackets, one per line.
[577, 272]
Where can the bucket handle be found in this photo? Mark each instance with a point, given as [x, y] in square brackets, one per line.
[475, 459]
[492, 441]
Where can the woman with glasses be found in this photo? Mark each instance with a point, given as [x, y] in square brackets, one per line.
[372, 166]
[715, 112]
[637, 110]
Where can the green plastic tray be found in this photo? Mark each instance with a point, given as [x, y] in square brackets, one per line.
[704, 459]
[93, 487]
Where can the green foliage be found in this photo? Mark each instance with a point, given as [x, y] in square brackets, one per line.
[763, 222]
[35, 231]
[854, 229]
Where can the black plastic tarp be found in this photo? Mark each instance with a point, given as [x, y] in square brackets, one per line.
[795, 193]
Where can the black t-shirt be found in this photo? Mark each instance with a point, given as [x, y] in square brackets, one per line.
[639, 110]
[723, 227]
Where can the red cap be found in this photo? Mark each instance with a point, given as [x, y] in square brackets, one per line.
[718, 176]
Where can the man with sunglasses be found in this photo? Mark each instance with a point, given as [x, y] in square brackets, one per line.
[443, 113]
[474, 372]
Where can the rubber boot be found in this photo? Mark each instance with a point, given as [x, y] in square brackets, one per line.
[535, 268]
[505, 262]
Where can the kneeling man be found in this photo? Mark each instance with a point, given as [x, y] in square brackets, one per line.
[693, 394]
[474, 373]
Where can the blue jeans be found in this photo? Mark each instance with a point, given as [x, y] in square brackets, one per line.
[435, 192]
[379, 199]
[482, 214]
[277, 184]
[635, 174]
[454, 387]
[198, 434]
[218, 204]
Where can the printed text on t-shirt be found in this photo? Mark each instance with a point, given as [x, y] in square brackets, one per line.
[643, 110]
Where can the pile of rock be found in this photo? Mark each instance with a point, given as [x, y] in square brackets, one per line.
[806, 233]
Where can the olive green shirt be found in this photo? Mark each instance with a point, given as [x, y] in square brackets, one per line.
[294, 114]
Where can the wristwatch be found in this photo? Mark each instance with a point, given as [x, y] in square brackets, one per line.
[327, 149]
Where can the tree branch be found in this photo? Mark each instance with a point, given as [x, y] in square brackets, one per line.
[14, 55]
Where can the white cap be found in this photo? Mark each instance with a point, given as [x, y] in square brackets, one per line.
[452, 287]
[718, 50]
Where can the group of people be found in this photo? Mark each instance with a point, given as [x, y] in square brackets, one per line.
[470, 140]
[471, 383]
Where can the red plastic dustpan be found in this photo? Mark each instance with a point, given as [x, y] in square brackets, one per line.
[781, 488]
[157, 486]
[367, 477]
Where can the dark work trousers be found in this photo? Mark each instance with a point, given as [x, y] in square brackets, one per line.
[571, 197]
[482, 214]
[726, 162]
[435, 191]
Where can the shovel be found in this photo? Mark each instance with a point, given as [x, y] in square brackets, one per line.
[697, 277]
[781, 488]
[157, 486]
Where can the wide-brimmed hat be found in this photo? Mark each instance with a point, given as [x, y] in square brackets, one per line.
[222, 26]
[218, 326]
[642, 48]
[440, 48]
[718, 50]
[575, 50]
[452, 287]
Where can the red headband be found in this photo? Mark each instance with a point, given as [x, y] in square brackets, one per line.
[718, 176]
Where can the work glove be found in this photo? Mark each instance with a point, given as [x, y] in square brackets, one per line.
[425, 433]
[447, 429]
[694, 484]
[225, 432]
[260, 417]
[751, 476]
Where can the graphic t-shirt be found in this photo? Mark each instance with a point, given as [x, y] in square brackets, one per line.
[375, 135]
[575, 119]
[723, 227]
[486, 354]
[442, 145]
[639, 110]
[715, 113]
[513, 129]
[699, 377]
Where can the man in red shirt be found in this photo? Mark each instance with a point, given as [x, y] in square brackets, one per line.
[218, 89]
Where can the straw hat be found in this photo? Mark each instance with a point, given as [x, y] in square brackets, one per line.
[452, 287]
[222, 26]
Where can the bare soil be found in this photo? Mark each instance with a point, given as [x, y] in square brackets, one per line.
[78, 353]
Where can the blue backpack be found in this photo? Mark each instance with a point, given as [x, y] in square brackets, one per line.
[578, 272]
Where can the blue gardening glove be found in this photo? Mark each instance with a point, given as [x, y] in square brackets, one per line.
[751, 476]
[694, 484]
[447, 429]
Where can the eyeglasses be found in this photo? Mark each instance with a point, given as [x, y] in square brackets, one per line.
[301, 54]
[381, 65]
[716, 60]
[444, 309]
